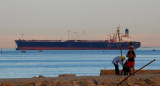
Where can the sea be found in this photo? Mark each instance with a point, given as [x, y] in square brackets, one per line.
[51, 63]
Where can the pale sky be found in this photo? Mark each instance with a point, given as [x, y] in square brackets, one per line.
[51, 19]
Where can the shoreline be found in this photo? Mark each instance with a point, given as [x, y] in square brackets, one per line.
[143, 77]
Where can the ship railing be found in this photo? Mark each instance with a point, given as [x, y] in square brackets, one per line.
[40, 40]
[63, 40]
[89, 40]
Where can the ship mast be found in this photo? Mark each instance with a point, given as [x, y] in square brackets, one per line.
[83, 35]
[68, 34]
[76, 36]
[22, 36]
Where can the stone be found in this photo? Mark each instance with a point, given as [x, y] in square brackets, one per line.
[34, 77]
[95, 81]
[105, 82]
[139, 82]
[129, 83]
[75, 83]
[62, 75]
[26, 83]
[6, 84]
[148, 81]
[107, 72]
[32, 84]
[45, 83]
[41, 76]
[38, 84]
[59, 83]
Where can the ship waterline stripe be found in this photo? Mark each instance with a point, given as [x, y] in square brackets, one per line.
[64, 48]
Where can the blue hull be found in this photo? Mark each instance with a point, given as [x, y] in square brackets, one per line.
[72, 45]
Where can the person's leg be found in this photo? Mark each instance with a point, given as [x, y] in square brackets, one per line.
[130, 67]
[133, 71]
[116, 69]
[130, 71]
[133, 66]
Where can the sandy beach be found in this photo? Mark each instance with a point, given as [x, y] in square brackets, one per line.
[142, 78]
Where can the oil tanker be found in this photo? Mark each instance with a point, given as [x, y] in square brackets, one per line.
[111, 44]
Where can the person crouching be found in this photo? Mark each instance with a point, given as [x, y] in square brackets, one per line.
[117, 60]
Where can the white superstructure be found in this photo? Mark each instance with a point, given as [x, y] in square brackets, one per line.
[124, 37]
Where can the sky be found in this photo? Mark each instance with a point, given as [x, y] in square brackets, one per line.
[51, 19]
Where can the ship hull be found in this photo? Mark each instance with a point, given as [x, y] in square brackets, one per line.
[64, 48]
[71, 45]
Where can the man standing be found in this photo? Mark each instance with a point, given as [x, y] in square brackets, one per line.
[131, 59]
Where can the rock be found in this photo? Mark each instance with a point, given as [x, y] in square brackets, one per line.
[75, 83]
[26, 83]
[6, 84]
[59, 83]
[107, 72]
[38, 84]
[89, 82]
[70, 83]
[83, 83]
[41, 76]
[31, 84]
[139, 82]
[34, 77]
[66, 75]
[45, 83]
[105, 82]
[95, 81]
[129, 83]
[66, 83]
[148, 81]
[112, 84]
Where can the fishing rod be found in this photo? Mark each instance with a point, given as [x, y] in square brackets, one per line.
[135, 72]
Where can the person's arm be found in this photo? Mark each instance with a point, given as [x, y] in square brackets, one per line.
[114, 61]
[134, 55]
[127, 54]
[120, 61]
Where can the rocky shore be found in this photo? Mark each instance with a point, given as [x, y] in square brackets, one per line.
[143, 78]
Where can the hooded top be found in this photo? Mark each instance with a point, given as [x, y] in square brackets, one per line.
[118, 59]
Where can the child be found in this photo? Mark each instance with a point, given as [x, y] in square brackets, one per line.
[125, 69]
[115, 62]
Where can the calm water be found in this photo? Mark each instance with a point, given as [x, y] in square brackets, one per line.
[50, 63]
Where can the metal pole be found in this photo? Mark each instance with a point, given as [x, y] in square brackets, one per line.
[118, 31]
[135, 72]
